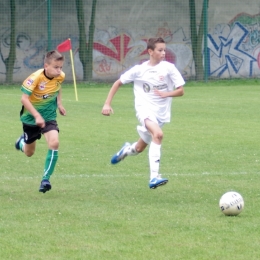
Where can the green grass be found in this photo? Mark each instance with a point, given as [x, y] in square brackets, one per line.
[101, 211]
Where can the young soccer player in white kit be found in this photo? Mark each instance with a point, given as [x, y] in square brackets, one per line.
[156, 82]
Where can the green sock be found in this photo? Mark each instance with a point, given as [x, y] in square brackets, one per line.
[50, 162]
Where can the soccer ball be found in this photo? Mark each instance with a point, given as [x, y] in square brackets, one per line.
[231, 203]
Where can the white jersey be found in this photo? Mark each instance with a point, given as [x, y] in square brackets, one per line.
[164, 77]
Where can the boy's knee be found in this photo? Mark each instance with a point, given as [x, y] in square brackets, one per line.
[159, 136]
[29, 153]
[54, 145]
[139, 149]
[140, 146]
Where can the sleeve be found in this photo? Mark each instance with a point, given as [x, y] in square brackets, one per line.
[29, 84]
[176, 76]
[129, 76]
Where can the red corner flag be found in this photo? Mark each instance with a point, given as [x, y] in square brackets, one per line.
[64, 46]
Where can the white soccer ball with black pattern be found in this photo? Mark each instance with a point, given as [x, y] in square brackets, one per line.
[231, 203]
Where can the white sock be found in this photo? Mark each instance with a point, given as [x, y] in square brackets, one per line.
[154, 159]
[130, 150]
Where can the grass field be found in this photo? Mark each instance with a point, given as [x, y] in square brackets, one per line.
[96, 210]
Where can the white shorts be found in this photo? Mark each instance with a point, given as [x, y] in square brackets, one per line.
[142, 130]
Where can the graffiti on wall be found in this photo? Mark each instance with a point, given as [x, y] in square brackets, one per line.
[233, 50]
[29, 56]
[113, 52]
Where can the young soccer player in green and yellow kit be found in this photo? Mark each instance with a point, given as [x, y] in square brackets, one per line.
[40, 99]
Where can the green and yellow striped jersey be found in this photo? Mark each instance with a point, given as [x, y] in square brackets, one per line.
[43, 94]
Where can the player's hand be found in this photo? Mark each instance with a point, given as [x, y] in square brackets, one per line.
[107, 110]
[62, 110]
[161, 93]
[40, 121]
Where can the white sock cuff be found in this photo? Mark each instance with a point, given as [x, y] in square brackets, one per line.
[131, 149]
[133, 145]
[155, 146]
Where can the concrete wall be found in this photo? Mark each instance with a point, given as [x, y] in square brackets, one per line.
[122, 28]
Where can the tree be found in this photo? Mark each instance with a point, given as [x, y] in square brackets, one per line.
[10, 60]
[86, 50]
[197, 38]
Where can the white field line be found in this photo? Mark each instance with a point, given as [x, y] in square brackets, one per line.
[81, 176]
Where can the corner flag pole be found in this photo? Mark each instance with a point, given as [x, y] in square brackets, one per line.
[63, 47]
[73, 74]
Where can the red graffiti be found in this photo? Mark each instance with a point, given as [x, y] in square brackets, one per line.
[165, 33]
[258, 60]
[104, 66]
[170, 56]
[118, 42]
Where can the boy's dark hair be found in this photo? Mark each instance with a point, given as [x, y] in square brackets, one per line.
[152, 42]
[53, 55]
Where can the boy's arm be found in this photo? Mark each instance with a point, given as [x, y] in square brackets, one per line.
[107, 109]
[59, 103]
[28, 105]
[179, 91]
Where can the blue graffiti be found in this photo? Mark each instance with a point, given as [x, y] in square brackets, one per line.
[232, 51]
[35, 60]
